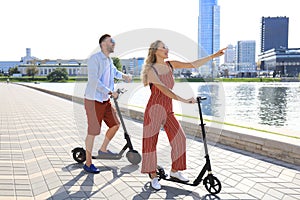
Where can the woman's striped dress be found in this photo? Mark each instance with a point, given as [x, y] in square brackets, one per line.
[159, 113]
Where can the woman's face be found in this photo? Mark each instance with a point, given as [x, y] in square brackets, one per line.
[162, 51]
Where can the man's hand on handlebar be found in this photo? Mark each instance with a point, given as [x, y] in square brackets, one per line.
[114, 94]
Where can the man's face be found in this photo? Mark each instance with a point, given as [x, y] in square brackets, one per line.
[109, 44]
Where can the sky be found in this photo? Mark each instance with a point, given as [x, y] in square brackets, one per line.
[70, 29]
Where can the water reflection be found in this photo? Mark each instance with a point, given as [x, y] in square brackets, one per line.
[273, 105]
[244, 100]
[213, 104]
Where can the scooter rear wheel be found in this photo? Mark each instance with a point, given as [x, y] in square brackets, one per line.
[133, 157]
[79, 154]
[212, 184]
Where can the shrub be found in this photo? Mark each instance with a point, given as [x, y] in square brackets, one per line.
[58, 75]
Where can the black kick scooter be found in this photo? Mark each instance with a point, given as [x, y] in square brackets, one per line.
[211, 183]
[132, 155]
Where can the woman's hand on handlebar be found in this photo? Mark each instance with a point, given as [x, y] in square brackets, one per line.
[191, 100]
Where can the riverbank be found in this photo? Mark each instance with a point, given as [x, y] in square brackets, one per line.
[73, 79]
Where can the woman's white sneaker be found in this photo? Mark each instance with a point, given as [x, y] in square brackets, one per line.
[177, 175]
[155, 184]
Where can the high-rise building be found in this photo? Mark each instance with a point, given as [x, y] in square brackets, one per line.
[230, 54]
[246, 65]
[209, 33]
[274, 33]
[229, 66]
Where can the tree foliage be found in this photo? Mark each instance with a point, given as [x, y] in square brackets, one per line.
[32, 71]
[58, 75]
[117, 63]
[13, 70]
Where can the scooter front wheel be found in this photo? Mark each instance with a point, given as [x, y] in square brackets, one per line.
[133, 157]
[79, 154]
[212, 184]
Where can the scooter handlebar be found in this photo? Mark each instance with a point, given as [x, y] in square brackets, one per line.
[119, 91]
[201, 98]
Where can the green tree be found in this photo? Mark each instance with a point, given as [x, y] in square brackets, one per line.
[13, 70]
[32, 70]
[58, 75]
[117, 63]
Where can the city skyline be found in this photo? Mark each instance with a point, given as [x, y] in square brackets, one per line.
[70, 29]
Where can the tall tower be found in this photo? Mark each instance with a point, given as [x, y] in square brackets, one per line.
[274, 33]
[209, 33]
[246, 57]
[28, 52]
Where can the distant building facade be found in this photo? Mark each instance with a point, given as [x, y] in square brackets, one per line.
[209, 34]
[282, 62]
[246, 65]
[132, 66]
[228, 69]
[74, 67]
[276, 58]
[6, 65]
[274, 33]
[230, 54]
[45, 67]
[28, 58]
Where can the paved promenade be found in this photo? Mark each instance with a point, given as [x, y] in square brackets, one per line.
[38, 132]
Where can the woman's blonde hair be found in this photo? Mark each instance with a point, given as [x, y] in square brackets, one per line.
[150, 60]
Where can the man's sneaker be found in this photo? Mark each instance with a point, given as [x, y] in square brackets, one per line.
[106, 155]
[155, 184]
[177, 175]
[91, 169]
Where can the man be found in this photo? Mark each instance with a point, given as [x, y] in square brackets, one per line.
[100, 86]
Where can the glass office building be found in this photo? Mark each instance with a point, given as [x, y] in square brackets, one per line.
[246, 65]
[274, 33]
[209, 34]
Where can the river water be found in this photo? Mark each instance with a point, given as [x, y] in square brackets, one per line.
[271, 104]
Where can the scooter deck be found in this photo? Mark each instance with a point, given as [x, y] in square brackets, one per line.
[178, 181]
[107, 157]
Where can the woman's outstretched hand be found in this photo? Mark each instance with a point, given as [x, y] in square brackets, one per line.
[219, 53]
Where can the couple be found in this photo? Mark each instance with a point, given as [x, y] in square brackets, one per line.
[158, 74]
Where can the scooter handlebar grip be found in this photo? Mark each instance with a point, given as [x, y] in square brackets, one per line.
[201, 98]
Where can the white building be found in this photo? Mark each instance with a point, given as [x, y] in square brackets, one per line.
[246, 65]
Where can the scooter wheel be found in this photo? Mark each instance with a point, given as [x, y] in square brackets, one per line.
[212, 184]
[79, 154]
[133, 157]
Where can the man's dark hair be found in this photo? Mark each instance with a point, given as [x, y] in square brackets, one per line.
[103, 37]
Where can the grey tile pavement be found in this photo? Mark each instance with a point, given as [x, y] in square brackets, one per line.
[38, 132]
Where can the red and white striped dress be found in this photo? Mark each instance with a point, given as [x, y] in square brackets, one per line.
[159, 113]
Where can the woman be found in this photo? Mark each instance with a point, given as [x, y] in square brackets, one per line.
[159, 112]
